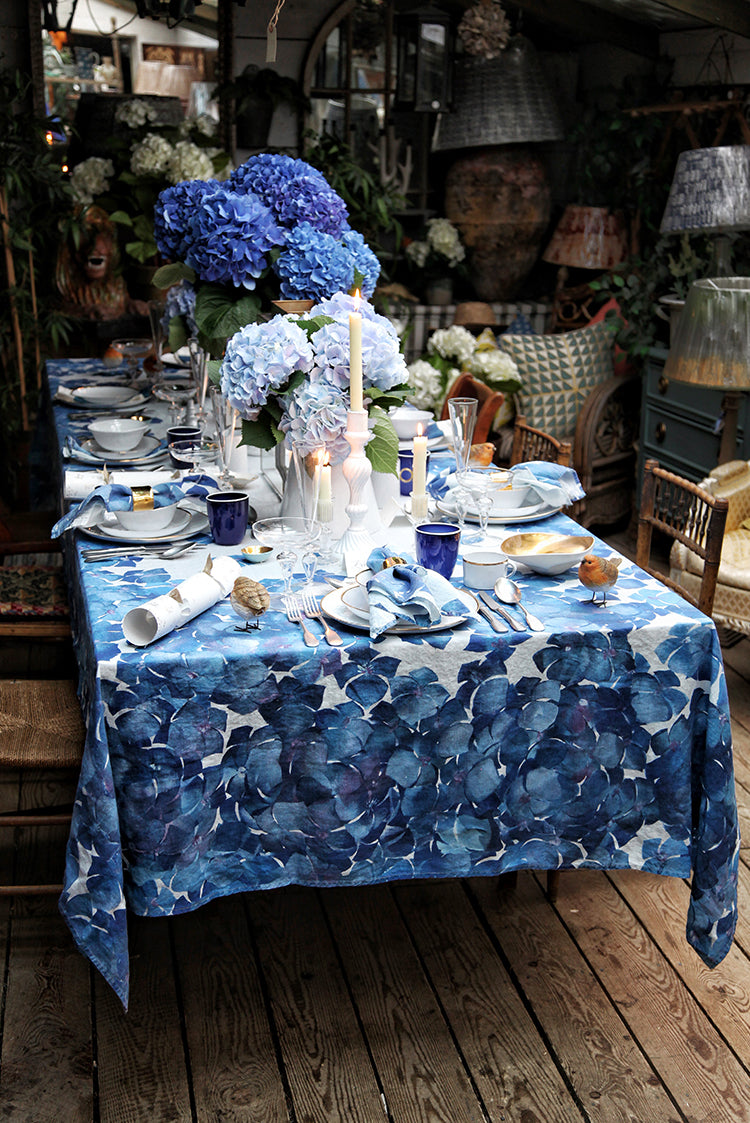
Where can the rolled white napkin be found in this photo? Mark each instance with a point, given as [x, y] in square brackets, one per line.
[152, 620]
[79, 484]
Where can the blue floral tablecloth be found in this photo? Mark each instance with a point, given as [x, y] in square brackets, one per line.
[218, 762]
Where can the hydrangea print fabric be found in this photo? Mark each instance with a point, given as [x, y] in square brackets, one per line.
[217, 763]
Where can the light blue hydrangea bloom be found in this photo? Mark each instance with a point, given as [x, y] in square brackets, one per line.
[260, 360]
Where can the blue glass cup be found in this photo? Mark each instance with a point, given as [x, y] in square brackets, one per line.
[228, 513]
[437, 546]
[406, 470]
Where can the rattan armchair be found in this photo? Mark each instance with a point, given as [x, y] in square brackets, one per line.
[534, 444]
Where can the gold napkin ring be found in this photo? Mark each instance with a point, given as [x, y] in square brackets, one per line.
[390, 562]
[143, 498]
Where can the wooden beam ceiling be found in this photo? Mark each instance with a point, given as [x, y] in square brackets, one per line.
[726, 15]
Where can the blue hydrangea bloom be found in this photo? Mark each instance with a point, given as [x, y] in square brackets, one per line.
[180, 301]
[383, 364]
[315, 265]
[260, 359]
[228, 238]
[172, 213]
[294, 191]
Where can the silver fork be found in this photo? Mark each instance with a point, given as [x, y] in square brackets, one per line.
[312, 609]
[295, 616]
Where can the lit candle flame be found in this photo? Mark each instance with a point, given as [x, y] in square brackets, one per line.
[357, 299]
[420, 430]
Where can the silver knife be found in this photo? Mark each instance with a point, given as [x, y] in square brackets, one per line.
[495, 606]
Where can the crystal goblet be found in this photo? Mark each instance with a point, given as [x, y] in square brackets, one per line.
[133, 351]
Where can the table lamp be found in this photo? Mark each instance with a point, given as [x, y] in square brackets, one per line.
[711, 347]
[588, 238]
[710, 194]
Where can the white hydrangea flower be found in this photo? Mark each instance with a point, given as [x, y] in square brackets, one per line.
[491, 366]
[417, 253]
[443, 238]
[135, 114]
[456, 343]
[89, 178]
[189, 162]
[426, 384]
[151, 156]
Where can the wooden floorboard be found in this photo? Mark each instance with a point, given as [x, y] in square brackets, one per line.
[432, 1002]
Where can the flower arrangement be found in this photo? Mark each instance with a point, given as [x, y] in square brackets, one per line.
[274, 229]
[451, 351]
[439, 250]
[141, 159]
[289, 379]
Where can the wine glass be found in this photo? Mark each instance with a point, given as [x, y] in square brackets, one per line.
[291, 535]
[133, 351]
[307, 465]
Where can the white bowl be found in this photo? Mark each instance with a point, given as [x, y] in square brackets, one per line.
[148, 520]
[508, 498]
[547, 553]
[405, 421]
[118, 434]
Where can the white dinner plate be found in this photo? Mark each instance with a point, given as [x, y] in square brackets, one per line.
[334, 606]
[185, 524]
[148, 446]
[108, 397]
[514, 515]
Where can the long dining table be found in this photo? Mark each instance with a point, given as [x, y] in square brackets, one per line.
[220, 761]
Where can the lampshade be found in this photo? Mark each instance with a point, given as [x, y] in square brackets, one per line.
[711, 346]
[504, 100]
[710, 191]
[588, 238]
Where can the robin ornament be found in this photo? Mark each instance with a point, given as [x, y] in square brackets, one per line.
[599, 575]
[249, 599]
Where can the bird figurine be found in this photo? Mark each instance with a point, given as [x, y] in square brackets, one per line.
[599, 575]
[249, 599]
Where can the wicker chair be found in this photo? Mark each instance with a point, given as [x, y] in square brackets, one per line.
[41, 727]
[689, 515]
[490, 401]
[534, 444]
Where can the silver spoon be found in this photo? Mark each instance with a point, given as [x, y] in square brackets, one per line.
[509, 593]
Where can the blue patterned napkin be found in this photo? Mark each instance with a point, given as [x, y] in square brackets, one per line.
[410, 594]
[553, 483]
[118, 497]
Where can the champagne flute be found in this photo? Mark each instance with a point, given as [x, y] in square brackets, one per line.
[463, 418]
[156, 319]
[225, 416]
[199, 371]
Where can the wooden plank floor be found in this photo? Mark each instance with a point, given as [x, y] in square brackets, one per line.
[429, 1002]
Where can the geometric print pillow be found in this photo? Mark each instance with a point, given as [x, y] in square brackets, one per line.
[558, 372]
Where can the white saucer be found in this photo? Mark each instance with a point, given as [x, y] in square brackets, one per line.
[514, 515]
[351, 612]
[147, 446]
[107, 397]
[184, 525]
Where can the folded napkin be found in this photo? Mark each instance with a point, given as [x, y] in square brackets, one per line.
[163, 614]
[410, 594]
[119, 497]
[554, 484]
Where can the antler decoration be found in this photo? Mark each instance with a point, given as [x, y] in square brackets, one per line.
[484, 29]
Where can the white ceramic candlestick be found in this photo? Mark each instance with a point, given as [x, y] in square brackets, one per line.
[357, 542]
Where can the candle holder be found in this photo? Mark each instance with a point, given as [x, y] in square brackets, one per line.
[356, 542]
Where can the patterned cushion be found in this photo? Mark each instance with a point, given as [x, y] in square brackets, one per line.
[519, 325]
[558, 372]
[32, 590]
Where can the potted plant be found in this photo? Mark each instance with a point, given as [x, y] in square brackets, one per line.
[256, 93]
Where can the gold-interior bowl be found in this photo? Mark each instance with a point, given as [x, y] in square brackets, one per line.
[547, 553]
[256, 552]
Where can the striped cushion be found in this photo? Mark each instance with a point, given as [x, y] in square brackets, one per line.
[558, 373]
